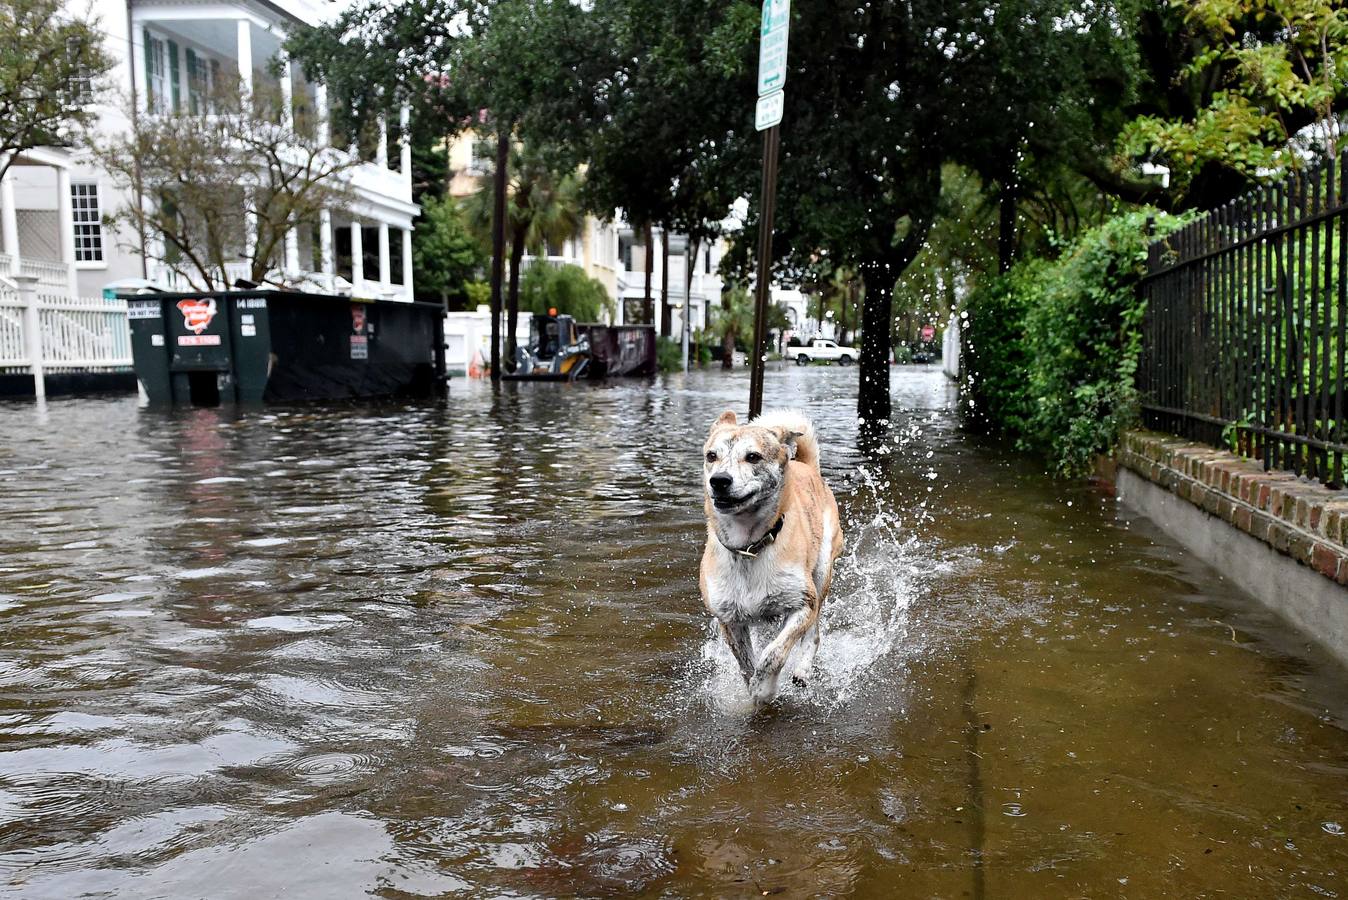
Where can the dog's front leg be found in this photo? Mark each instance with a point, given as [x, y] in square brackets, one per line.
[763, 685]
[736, 634]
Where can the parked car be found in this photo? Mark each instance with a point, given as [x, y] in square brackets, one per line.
[823, 350]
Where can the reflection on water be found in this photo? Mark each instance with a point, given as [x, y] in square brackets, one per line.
[425, 651]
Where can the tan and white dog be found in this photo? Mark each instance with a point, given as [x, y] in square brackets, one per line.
[772, 536]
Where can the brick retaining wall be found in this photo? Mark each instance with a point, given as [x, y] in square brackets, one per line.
[1293, 515]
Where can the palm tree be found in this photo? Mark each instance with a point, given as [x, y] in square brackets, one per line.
[542, 208]
[734, 321]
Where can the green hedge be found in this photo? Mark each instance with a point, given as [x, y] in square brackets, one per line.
[1052, 346]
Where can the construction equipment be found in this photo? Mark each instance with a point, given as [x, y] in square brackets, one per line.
[557, 351]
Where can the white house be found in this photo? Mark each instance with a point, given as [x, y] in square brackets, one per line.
[167, 55]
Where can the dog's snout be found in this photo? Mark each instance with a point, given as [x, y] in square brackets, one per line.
[720, 483]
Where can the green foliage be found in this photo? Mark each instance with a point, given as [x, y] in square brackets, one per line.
[1053, 346]
[668, 354]
[445, 255]
[564, 288]
[1277, 65]
[477, 293]
[733, 320]
[50, 68]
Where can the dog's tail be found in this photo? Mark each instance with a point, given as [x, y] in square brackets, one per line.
[793, 422]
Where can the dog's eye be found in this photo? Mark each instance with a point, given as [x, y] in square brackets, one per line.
[711, 456]
[753, 458]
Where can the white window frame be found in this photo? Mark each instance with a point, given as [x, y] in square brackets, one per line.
[159, 91]
[85, 226]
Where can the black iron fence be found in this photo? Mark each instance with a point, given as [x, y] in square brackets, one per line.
[1244, 334]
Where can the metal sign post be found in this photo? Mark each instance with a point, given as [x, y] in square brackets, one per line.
[772, 43]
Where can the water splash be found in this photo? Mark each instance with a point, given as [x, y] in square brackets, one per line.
[865, 618]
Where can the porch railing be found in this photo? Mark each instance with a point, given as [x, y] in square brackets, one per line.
[1246, 327]
[49, 273]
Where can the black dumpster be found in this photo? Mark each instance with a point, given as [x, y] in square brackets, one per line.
[281, 346]
[621, 349]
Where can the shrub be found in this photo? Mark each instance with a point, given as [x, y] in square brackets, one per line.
[1053, 345]
[669, 354]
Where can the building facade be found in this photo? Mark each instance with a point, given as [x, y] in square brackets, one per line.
[169, 55]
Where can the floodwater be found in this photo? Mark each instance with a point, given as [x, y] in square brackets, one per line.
[457, 650]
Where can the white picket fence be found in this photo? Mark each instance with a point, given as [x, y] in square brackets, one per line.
[74, 333]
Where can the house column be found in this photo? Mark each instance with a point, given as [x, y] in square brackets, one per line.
[324, 131]
[405, 147]
[292, 251]
[9, 221]
[381, 150]
[357, 257]
[65, 217]
[292, 263]
[287, 92]
[385, 273]
[245, 55]
[326, 260]
[407, 262]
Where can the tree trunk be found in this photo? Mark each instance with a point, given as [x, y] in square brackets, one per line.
[728, 342]
[666, 314]
[513, 298]
[647, 310]
[498, 246]
[873, 407]
[842, 315]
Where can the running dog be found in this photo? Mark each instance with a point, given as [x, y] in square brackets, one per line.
[772, 536]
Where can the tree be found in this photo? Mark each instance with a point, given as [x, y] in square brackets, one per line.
[50, 65]
[1262, 71]
[460, 64]
[445, 254]
[226, 187]
[566, 289]
[542, 209]
[733, 322]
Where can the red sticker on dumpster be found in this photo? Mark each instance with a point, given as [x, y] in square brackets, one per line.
[197, 314]
[357, 318]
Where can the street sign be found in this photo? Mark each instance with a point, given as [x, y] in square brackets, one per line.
[772, 45]
[768, 111]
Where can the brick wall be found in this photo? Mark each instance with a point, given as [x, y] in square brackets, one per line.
[1295, 516]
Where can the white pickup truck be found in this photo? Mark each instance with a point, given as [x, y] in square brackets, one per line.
[820, 349]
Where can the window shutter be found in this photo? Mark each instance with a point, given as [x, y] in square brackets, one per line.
[149, 70]
[173, 75]
[193, 87]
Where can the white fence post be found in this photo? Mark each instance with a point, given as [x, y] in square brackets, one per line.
[32, 331]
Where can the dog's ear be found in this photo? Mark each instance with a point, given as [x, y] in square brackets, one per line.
[727, 418]
[787, 438]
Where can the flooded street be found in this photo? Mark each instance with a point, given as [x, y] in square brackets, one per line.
[458, 650]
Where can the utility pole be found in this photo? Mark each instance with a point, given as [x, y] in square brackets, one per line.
[498, 246]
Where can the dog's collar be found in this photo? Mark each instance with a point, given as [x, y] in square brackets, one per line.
[757, 546]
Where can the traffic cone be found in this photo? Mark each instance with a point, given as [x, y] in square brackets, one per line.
[477, 368]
